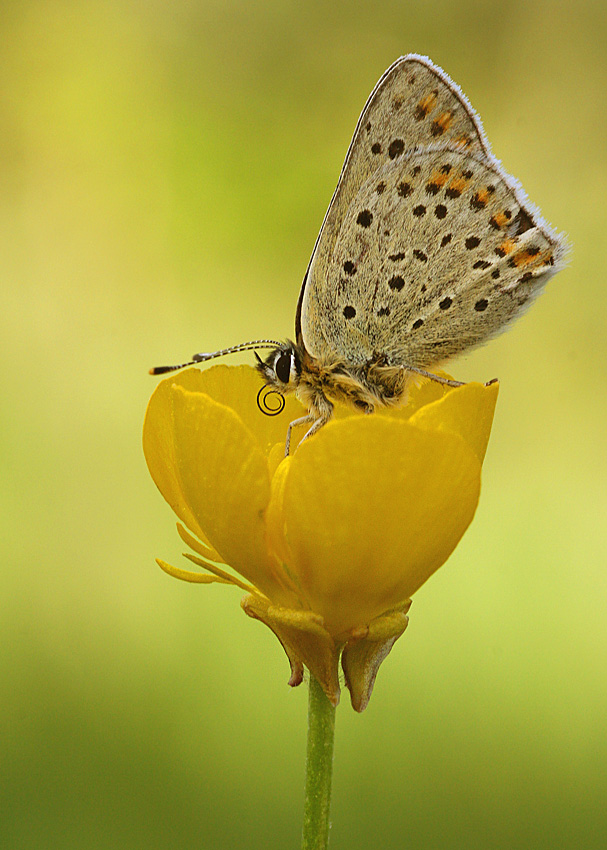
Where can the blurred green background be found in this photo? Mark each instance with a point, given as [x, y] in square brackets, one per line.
[165, 169]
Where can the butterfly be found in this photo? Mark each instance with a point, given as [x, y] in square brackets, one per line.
[428, 248]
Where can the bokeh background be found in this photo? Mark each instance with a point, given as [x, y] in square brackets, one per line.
[165, 169]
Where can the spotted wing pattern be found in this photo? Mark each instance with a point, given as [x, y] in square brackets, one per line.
[435, 255]
[424, 225]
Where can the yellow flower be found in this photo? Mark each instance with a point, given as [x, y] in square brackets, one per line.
[332, 541]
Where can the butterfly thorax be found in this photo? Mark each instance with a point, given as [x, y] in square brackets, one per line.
[371, 384]
[319, 383]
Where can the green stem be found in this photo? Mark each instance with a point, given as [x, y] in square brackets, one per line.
[319, 769]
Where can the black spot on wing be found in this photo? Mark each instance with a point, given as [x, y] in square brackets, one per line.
[396, 148]
[521, 222]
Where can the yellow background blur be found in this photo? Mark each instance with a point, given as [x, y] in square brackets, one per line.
[165, 169]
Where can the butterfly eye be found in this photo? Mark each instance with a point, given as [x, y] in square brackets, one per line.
[282, 367]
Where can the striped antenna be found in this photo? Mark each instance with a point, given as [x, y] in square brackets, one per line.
[201, 358]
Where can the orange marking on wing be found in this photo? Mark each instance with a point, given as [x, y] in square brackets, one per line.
[522, 258]
[439, 177]
[427, 103]
[506, 247]
[444, 120]
[499, 219]
[442, 123]
[458, 184]
[463, 141]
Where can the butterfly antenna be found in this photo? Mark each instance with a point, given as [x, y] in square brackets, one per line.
[203, 357]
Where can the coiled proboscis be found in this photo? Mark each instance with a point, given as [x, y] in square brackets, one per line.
[271, 407]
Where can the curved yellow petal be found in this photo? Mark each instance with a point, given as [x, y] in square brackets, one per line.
[237, 387]
[466, 411]
[218, 479]
[274, 517]
[160, 454]
[370, 509]
[275, 533]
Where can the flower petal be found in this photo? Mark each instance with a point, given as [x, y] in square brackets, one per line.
[370, 509]
[275, 536]
[420, 392]
[211, 470]
[160, 454]
[237, 387]
[467, 411]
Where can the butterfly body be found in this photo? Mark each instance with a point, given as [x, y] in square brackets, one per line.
[320, 383]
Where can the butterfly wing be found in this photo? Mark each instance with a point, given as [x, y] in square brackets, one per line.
[436, 254]
[414, 104]
[419, 185]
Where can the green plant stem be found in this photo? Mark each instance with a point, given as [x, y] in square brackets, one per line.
[319, 769]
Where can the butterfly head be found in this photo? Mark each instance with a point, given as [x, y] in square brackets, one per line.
[281, 369]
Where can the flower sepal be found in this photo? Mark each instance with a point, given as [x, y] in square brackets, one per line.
[367, 648]
[306, 641]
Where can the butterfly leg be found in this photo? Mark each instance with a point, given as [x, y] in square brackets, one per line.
[446, 381]
[303, 420]
[316, 426]
[433, 377]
